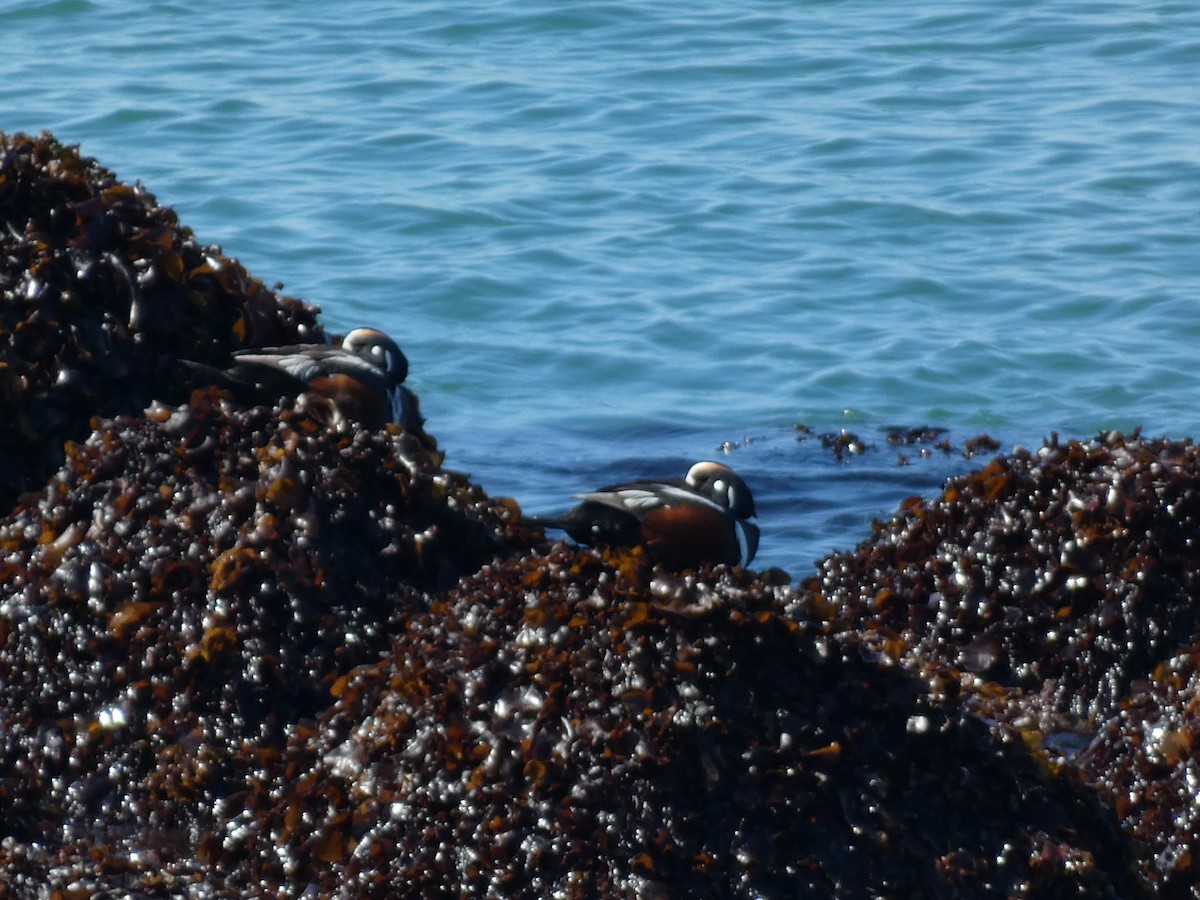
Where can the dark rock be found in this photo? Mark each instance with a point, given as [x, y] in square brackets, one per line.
[1063, 581]
[101, 293]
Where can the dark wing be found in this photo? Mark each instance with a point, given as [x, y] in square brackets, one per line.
[610, 516]
[637, 498]
[286, 370]
[599, 523]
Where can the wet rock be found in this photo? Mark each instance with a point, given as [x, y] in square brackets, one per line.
[102, 291]
[583, 725]
[190, 585]
[571, 725]
[1058, 585]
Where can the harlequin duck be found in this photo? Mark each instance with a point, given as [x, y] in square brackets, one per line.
[683, 523]
[363, 377]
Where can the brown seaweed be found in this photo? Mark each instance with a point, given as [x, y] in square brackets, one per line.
[102, 291]
[1061, 585]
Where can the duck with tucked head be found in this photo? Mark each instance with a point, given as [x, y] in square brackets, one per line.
[363, 377]
[701, 518]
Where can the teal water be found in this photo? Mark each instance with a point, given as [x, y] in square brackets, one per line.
[617, 237]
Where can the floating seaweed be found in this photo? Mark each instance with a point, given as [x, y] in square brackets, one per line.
[913, 436]
[844, 443]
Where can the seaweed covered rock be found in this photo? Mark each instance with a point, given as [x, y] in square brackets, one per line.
[101, 293]
[1061, 584]
[1146, 761]
[572, 726]
[188, 588]
[1073, 566]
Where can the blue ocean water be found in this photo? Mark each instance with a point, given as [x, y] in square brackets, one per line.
[616, 237]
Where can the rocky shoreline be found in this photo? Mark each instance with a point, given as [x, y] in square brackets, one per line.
[258, 651]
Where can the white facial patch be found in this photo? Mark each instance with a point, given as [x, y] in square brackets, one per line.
[723, 491]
